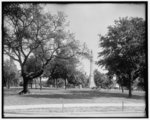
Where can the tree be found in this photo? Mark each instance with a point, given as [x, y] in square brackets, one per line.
[124, 49]
[32, 65]
[122, 80]
[67, 68]
[33, 32]
[10, 76]
[61, 68]
[102, 80]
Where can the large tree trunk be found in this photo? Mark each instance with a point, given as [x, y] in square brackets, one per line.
[122, 86]
[65, 84]
[130, 84]
[26, 78]
[25, 86]
[40, 83]
[130, 89]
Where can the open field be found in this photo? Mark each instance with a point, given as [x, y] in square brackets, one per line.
[53, 96]
[73, 103]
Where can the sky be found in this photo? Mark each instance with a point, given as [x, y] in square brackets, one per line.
[88, 20]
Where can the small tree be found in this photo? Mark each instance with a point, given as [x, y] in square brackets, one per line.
[61, 68]
[102, 80]
[10, 74]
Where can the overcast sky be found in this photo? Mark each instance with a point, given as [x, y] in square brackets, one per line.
[89, 20]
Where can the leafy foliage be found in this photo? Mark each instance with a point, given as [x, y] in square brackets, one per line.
[65, 69]
[124, 50]
[33, 64]
[10, 74]
[35, 33]
[102, 80]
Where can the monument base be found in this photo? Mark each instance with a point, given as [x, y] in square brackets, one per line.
[92, 84]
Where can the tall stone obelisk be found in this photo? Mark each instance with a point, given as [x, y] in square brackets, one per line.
[91, 77]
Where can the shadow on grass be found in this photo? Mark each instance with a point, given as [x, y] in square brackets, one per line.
[77, 94]
[11, 91]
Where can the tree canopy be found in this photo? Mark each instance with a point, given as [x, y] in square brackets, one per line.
[32, 32]
[124, 49]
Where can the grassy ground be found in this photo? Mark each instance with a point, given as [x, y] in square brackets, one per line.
[49, 96]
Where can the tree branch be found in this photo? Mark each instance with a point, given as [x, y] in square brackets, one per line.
[52, 55]
[7, 53]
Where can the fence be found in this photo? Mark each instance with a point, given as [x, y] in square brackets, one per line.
[122, 106]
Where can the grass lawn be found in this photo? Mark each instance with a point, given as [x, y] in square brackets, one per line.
[50, 96]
